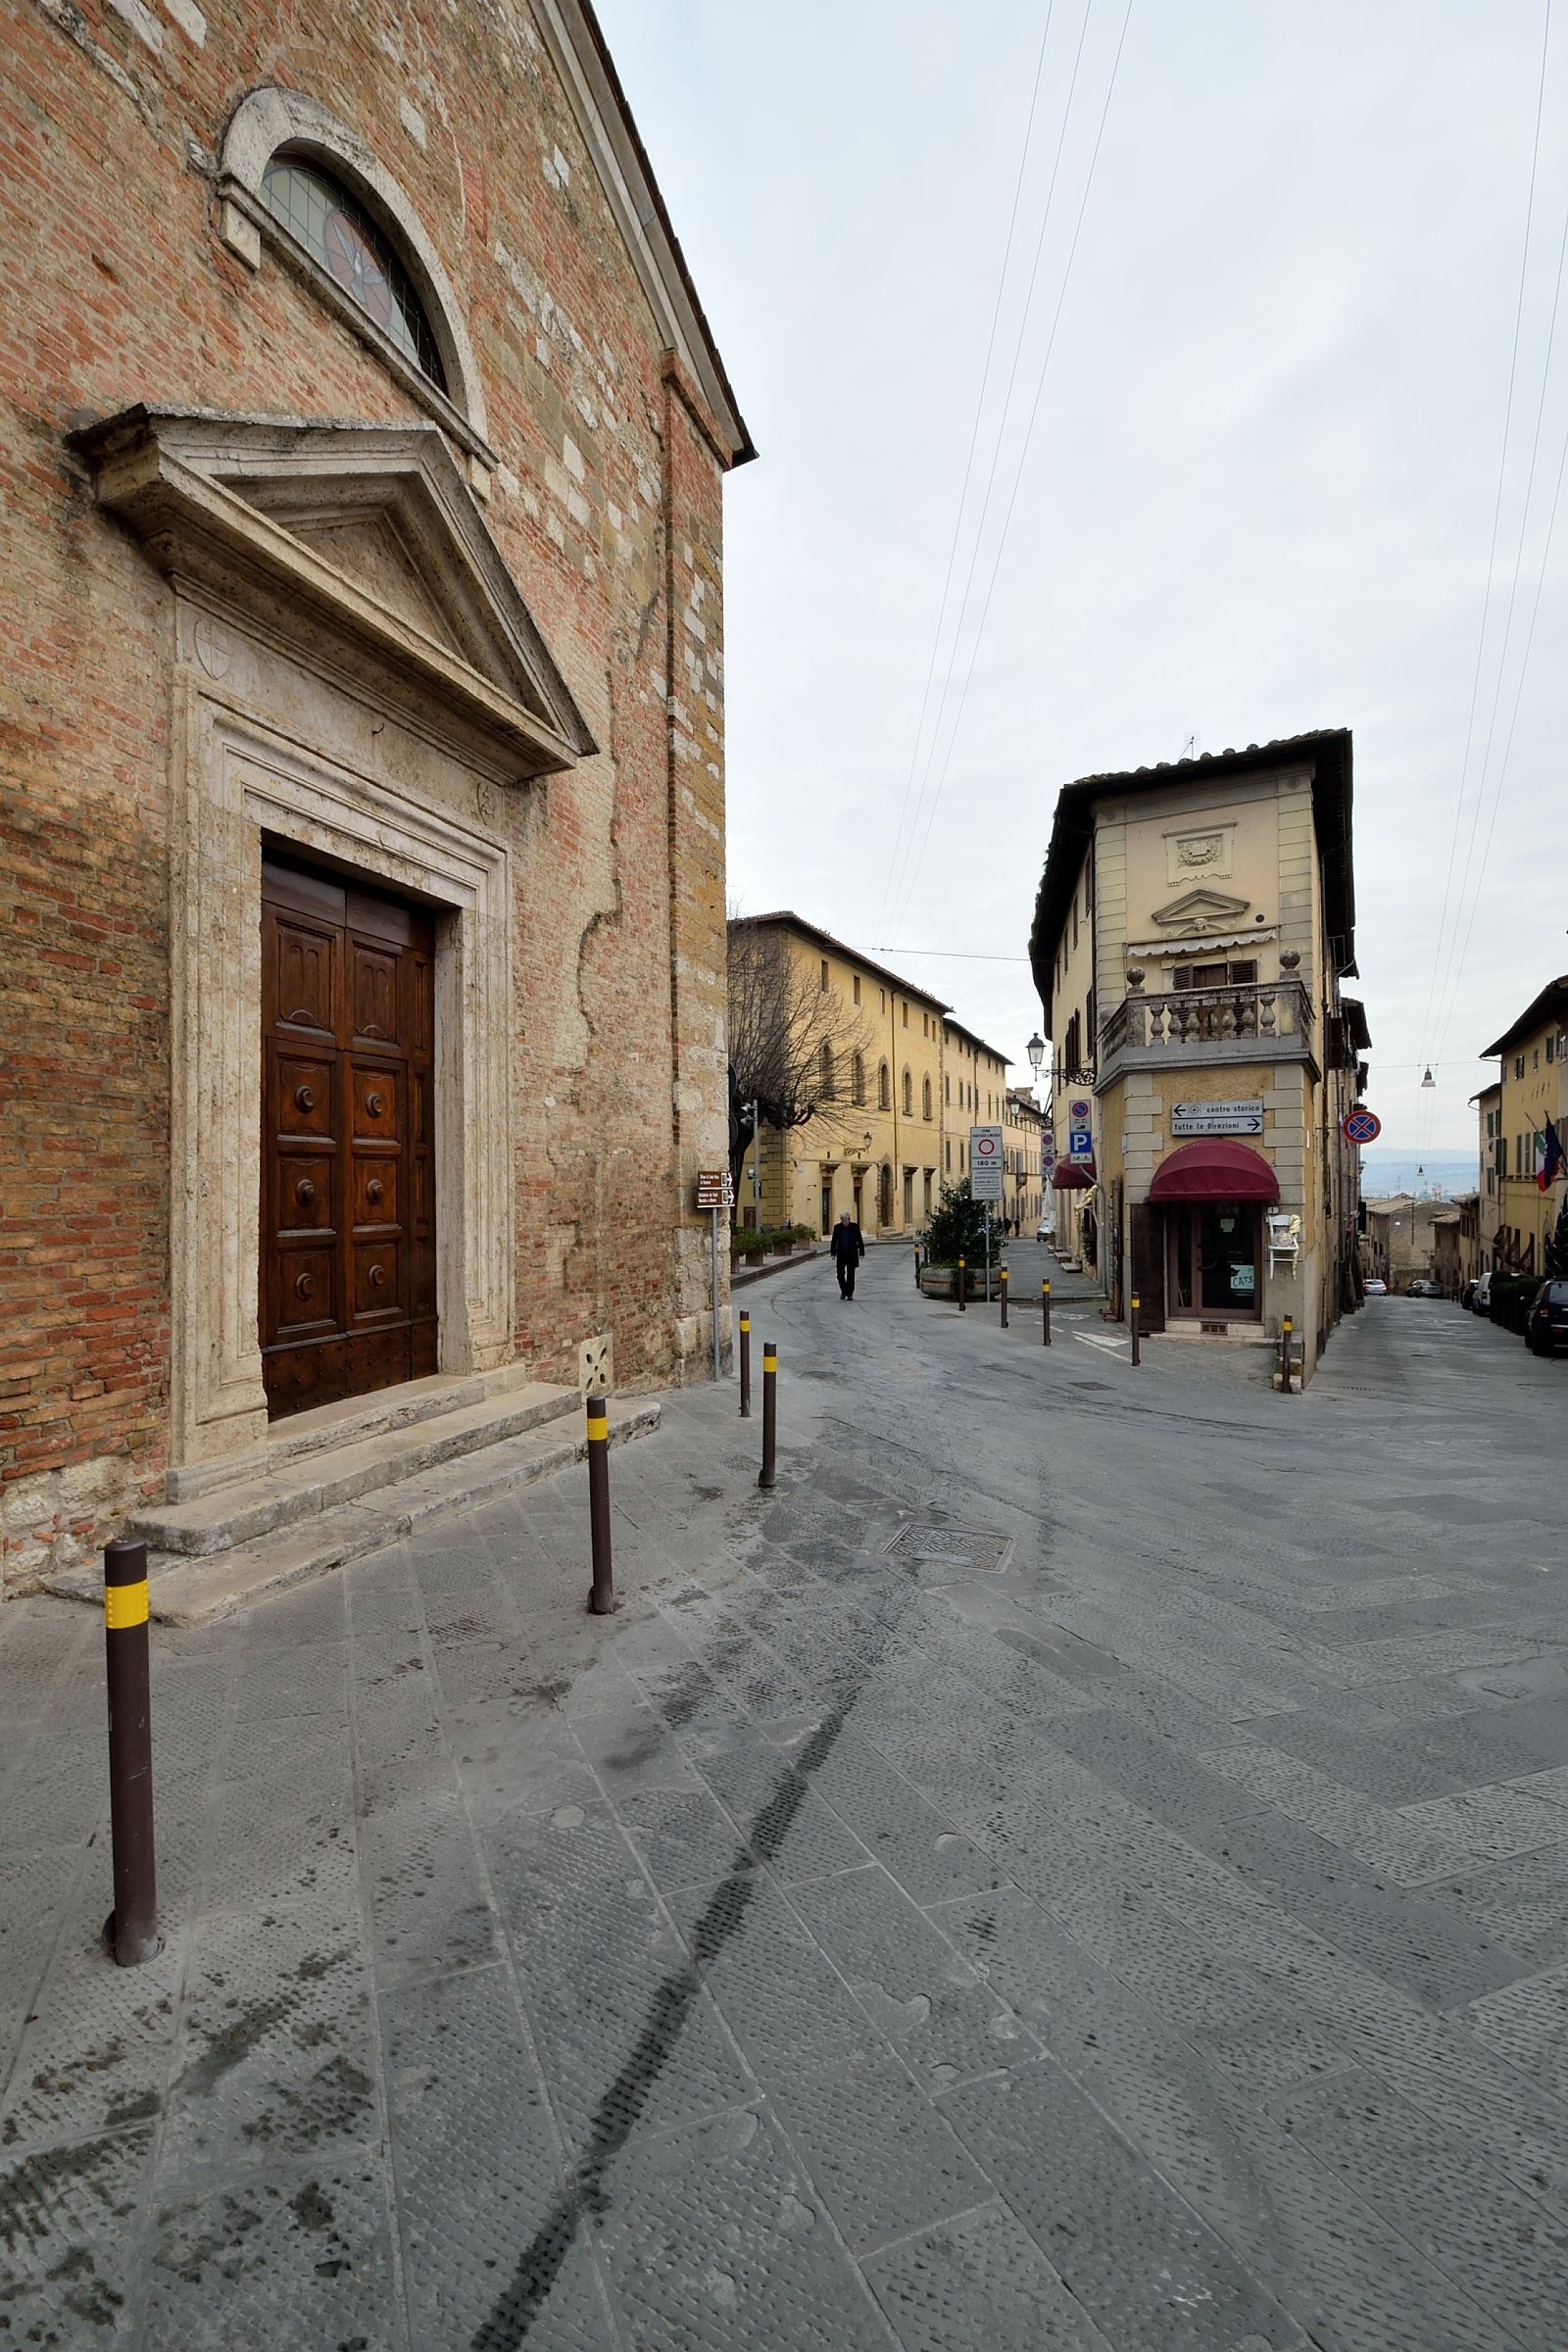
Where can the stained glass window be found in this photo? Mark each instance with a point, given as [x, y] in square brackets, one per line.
[337, 231]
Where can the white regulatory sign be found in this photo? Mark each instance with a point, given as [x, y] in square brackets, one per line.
[1217, 1118]
[987, 1163]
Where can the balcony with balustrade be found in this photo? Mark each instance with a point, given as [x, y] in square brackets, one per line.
[1265, 1020]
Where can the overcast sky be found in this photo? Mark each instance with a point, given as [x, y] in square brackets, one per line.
[1260, 490]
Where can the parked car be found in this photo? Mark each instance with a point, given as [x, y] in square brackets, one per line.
[1046, 1230]
[1547, 1323]
[1467, 1295]
[1422, 1288]
[1480, 1304]
[1375, 1289]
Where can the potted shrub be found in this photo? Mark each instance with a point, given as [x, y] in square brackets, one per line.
[958, 1229]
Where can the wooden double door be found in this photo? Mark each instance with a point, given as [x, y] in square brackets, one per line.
[348, 1297]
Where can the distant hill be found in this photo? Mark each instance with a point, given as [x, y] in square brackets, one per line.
[1385, 1169]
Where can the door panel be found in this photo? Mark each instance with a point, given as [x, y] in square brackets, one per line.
[347, 1246]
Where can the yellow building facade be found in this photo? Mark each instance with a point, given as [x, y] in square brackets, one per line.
[1193, 925]
[874, 1142]
[1533, 1088]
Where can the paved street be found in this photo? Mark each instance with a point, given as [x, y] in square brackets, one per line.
[1084, 1864]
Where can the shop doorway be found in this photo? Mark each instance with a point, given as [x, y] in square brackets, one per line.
[1212, 1262]
[348, 1239]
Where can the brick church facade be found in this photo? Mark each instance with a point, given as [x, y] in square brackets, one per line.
[362, 805]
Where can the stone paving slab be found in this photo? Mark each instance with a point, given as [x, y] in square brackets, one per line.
[1155, 1937]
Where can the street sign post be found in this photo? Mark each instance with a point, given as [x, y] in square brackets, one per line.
[1080, 1128]
[1361, 1126]
[986, 1178]
[713, 1193]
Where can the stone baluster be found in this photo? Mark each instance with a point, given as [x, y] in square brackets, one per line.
[1136, 1006]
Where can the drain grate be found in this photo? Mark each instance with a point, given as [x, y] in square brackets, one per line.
[951, 1546]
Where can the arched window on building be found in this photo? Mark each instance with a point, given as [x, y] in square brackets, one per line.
[908, 1093]
[884, 1091]
[336, 231]
[857, 1076]
[925, 1098]
[828, 1083]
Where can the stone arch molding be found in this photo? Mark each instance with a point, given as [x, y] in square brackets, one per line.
[271, 119]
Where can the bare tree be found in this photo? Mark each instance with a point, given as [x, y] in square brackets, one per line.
[795, 1046]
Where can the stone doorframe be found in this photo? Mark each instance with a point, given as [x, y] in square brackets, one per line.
[242, 780]
[333, 584]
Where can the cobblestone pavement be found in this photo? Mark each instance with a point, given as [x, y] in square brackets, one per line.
[1083, 1864]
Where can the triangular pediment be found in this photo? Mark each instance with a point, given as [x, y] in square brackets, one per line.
[365, 536]
[1200, 910]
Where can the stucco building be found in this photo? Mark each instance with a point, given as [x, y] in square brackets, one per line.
[1532, 1089]
[362, 817]
[1193, 926]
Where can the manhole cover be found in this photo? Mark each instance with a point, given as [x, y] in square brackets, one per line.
[951, 1546]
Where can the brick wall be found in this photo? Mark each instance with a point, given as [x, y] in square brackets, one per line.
[607, 509]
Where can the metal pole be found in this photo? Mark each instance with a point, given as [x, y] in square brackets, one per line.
[1133, 1321]
[1285, 1356]
[601, 1597]
[988, 1253]
[130, 1931]
[917, 1266]
[1004, 1297]
[746, 1367]
[769, 1412]
[713, 1214]
[1045, 1310]
[962, 1304]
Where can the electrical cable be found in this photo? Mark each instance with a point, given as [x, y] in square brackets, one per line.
[996, 449]
[969, 467]
[1486, 601]
[1018, 470]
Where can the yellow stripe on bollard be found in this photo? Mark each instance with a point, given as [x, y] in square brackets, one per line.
[124, 1605]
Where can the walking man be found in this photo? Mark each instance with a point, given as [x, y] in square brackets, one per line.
[847, 1250]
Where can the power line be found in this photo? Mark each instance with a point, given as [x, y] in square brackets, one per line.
[1017, 477]
[974, 437]
[996, 449]
[1433, 992]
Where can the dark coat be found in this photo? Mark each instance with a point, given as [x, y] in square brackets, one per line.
[847, 1243]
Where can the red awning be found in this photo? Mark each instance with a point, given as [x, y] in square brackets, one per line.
[1070, 1176]
[1216, 1169]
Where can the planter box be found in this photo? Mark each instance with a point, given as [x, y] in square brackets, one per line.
[942, 1282]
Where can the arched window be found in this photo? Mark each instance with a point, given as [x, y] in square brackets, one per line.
[857, 1075]
[338, 233]
[925, 1098]
[827, 1083]
[908, 1093]
[884, 1095]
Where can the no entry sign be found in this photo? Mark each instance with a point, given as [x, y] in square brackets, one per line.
[1361, 1126]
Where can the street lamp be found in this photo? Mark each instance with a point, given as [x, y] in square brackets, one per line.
[1036, 1051]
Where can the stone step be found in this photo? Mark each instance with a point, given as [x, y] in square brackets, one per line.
[304, 1486]
[185, 1590]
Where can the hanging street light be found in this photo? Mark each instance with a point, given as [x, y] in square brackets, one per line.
[1036, 1051]
[1429, 1080]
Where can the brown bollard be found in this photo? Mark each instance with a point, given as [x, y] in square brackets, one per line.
[1285, 1356]
[917, 1266]
[964, 1303]
[746, 1367]
[769, 1412]
[1004, 1297]
[602, 1601]
[130, 1931]
[1133, 1326]
[1045, 1310]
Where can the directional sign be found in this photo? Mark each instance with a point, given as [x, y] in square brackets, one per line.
[714, 1189]
[987, 1163]
[1361, 1126]
[1218, 1118]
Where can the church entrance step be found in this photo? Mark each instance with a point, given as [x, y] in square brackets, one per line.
[300, 1484]
[186, 1589]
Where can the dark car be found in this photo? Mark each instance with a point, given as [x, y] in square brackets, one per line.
[1547, 1323]
[1425, 1289]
